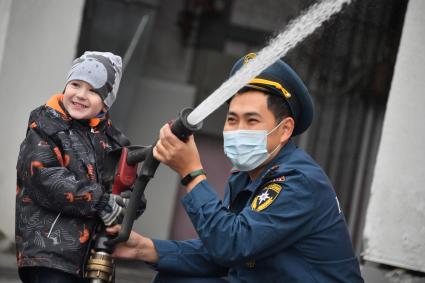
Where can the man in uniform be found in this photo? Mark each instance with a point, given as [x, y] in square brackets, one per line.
[280, 220]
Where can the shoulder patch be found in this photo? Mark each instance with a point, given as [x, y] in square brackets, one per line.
[266, 196]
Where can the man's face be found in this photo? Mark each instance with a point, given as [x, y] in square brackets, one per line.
[249, 111]
[81, 101]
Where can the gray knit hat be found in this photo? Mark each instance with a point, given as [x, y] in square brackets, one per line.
[102, 70]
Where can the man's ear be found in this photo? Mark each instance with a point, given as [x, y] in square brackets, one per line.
[287, 128]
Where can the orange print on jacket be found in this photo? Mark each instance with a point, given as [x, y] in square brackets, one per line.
[84, 236]
[66, 160]
[71, 198]
[90, 172]
[58, 155]
[36, 164]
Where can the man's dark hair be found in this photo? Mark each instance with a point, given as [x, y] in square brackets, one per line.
[278, 106]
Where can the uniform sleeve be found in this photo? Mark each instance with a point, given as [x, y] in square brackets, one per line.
[271, 223]
[51, 185]
[186, 258]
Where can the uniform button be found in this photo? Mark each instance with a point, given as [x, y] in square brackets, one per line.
[250, 263]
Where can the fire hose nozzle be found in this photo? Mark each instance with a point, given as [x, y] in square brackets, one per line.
[182, 128]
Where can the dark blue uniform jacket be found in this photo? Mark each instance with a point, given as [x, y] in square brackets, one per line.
[285, 226]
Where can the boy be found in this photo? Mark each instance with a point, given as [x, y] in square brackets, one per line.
[60, 198]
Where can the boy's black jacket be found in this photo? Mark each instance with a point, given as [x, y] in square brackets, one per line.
[59, 189]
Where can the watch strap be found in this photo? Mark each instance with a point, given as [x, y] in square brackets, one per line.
[192, 175]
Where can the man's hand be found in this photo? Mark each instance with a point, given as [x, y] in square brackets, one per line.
[137, 247]
[182, 157]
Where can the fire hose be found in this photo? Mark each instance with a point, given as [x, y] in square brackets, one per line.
[100, 265]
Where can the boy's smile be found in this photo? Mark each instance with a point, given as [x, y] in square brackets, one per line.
[81, 101]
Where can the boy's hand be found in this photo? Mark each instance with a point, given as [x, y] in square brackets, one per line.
[113, 210]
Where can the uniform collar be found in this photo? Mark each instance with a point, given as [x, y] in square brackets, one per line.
[287, 150]
[269, 171]
[273, 168]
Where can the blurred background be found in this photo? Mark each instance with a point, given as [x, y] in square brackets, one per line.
[364, 68]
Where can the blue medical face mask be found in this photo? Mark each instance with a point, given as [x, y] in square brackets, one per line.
[247, 149]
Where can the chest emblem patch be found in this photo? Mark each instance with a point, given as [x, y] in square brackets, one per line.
[266, 197]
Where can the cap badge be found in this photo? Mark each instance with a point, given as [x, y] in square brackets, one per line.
[248, 57]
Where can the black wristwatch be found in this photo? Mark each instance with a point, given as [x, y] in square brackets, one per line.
[192, 175]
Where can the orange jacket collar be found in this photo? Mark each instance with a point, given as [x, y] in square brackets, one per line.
[55, 102]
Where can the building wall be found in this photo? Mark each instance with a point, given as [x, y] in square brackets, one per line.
[37, 45]
[4, 22]
[395, 228]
